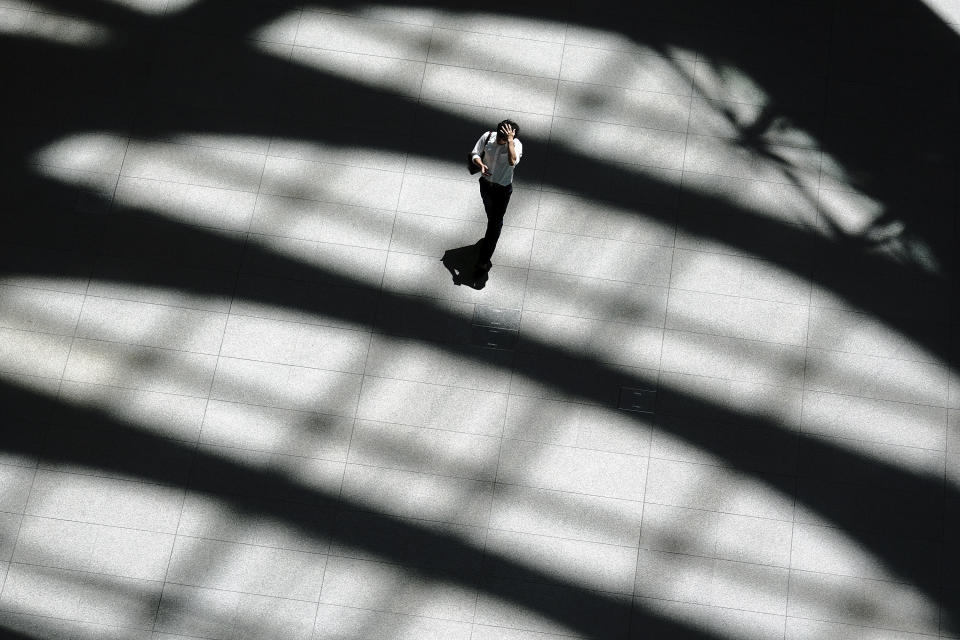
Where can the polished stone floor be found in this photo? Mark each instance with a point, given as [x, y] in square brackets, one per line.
[708, 391]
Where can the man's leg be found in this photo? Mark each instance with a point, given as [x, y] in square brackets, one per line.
[495, 199]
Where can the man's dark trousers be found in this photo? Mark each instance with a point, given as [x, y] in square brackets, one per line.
[495, 199]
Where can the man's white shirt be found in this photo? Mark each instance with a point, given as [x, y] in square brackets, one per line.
[497, 158]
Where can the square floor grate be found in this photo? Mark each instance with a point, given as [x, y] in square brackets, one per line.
[638, 400]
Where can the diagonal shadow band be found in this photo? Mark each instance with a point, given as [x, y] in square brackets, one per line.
[897, 286]
[901, 294]
[861, 495]
[589, 613]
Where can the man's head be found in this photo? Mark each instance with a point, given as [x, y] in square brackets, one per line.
[503, 127]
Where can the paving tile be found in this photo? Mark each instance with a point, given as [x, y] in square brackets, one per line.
[321, 221]
[561, 213]
[656, 616]
[151, 325]
[314, 262]
[587, 101]
[561, 377]
[709, 581]
[737, 317]
[597, 473]
[432, 406]
[81, 596]
[309, 303]
[460, 200]
[445, 549]
[857, 601]
[710, 436]
[770, 202]
[615, 343]
[209, 205]
[721, 82]
[392, 446]
[502, 25]
[730, 491]
[463, 367]
[574, 424]
[286, 387]
[303, 433]
[586, 297]
[140, 367]
[426, 496]
[566, 515]
[115, 451]
[429, 236]
[495, 53]
[621, 261]
[716, 535]
[246, 568]
[702, 398]
[271, 523]
[875, 377]
[629, 70]
[335, 622]
[167, 284]
[830, 550]
[9, 526]
[801, 629]
[731, 119]
[588, 564]
[213, 613]
[28, 309]
[395, 589]
[489, 89]
[38, 626]
[861, 333]
[752, 361]
[264, 475]
[105, 501]
[296, 344]
[34, 354]
[147, 238]
[784, 164]
[408, 274]
[558, 608]
[361, 35]
[621, 144]
[104, 152]
[737, 276]
[389, 74]
[17, 485]
[31, 266]
[330, 183]
[78, 546]
[874, 420]
[166, 415]
[408, 316]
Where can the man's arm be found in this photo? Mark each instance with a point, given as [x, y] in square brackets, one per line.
[511, 150]
[477, 150]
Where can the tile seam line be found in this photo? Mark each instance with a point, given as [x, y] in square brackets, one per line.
[44, 440]
[44, 616]
[521, 532]
[192, 462]
[421, 25]
[464, 388]
[513, 356]
[503, 482]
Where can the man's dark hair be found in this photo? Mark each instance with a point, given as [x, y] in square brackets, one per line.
[516, 127]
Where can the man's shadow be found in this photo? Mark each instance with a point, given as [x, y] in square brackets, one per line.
[462, 265]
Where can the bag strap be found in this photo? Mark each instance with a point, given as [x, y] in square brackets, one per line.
[485, 142]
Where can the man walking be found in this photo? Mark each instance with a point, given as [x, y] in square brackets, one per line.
[496, 156]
